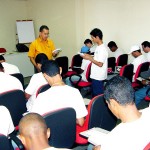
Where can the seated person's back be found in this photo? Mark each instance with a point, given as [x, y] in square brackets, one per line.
[59, 95]
[6, 125]
[8, 68]
[8, 82]
[37, 80]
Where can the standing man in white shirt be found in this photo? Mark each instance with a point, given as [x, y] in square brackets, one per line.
[8, 68]
[99, 62]
[36, 81]
[59, 95]
[146, 49]
[8, 82]
[116, 52]
[139, 57]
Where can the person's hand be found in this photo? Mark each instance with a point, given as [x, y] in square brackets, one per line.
[97, 147]
[55, 53]
[87, 57]
[144, 82]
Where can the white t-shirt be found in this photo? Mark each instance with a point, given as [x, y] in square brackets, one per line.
[137, 61]
[129, 136]
[100, 55]
[148, 56]
[92, 49]
[84, 67]
[6, 124]
[60, 97]
[9, 68]
[36, 81]
[8, 82]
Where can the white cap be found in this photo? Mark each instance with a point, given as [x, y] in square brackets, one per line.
[134, 48]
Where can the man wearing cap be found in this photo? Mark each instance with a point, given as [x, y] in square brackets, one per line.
[139, 58]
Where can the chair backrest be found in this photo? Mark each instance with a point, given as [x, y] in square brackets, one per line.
[20, 77]
[127, 71]
[141, 68]
[62, 124]
[2, 50]
[88, 72]
[76, 61]
[5, 143]
[42, 88]
[112, 63]
[63, 62]
[15, 102]
[122, 60]
[99, 114]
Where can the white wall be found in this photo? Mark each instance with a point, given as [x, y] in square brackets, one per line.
[10, 11]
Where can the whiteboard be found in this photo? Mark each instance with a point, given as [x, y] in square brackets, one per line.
[25, 31]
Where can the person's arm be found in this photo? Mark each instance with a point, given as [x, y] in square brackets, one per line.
[80, 121]
[97, 147]
[89, 57]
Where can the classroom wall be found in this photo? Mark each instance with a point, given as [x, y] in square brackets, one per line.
[10, 11]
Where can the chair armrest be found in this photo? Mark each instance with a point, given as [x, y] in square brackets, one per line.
[75, 83]
[17, 141]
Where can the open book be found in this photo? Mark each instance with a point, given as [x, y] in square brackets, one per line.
[57, 50]
[95, 135]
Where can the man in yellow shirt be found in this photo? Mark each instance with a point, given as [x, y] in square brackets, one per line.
[42, 45]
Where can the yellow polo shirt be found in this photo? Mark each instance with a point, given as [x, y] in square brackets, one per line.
[39, 46]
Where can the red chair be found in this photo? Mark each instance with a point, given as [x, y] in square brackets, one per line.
[3, 50]
[122, 60]
[147, 147]
[127, 71]
[62, 124]
[99, 115]
[80, 84]
[141, 68]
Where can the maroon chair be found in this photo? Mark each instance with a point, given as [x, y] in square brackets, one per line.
[141, 68]
[147, 147]
[127, 71]
[112, 63]
[3, 50]
[99, 115]
[80, 84]
[122, 60]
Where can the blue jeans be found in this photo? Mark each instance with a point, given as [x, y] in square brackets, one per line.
[140, 94]
[97, 87]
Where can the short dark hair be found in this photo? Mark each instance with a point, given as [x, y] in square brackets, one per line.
[51, 68]
[112, 44]
[97, 32]
[146, 44]
[43, 27]
[1, 57]
[87, 41]
[40, 58]
[1, 66]
[120, 89]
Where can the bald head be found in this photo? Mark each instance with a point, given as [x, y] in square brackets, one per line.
[32, 125]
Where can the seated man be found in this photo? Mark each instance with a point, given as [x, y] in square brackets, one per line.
[34, 133]
[119, 96]
[8, 68]
[8, 82]
[141, 93]
[146, 49]
[83, 71]
[6, 125]
[36, 81]
[59, 95]
[139, 57]
[116, 52]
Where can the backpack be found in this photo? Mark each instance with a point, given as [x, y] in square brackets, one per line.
[22, 48]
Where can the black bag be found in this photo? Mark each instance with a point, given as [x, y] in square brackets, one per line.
[22, 48]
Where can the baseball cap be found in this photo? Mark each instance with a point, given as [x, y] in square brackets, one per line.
[134, 48]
